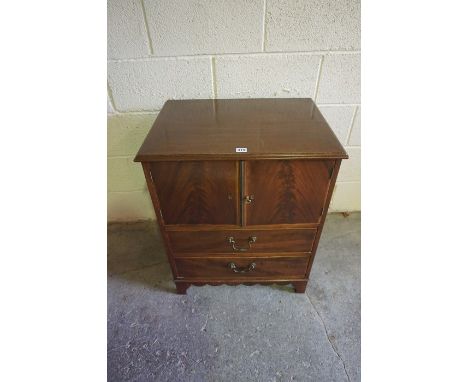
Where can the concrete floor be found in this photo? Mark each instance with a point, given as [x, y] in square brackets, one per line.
[226, 333]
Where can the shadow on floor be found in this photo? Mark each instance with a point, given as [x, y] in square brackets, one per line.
[135, 252]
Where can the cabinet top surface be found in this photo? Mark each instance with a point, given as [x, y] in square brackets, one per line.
[240, 129]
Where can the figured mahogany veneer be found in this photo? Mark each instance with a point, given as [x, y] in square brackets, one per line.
[197, 192]
[300, 188]
[253, 215]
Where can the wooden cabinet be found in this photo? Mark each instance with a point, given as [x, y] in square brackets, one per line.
[241, 188]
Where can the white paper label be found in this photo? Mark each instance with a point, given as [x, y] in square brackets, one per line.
[241, 149]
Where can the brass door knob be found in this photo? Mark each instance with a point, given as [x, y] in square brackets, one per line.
[248, 199]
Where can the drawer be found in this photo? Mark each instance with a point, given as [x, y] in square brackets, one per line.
[283, 267]
[241, 241]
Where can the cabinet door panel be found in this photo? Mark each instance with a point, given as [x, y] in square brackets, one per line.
[286, 191]
[197, 192]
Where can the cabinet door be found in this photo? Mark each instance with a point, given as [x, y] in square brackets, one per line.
[286, 191]
[197, 192]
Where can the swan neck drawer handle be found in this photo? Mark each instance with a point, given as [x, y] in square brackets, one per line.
[232, 241]
[235, 269]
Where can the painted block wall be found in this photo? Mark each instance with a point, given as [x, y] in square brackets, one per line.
[182, 49]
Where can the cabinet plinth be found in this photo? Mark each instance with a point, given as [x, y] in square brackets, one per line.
[241, 188]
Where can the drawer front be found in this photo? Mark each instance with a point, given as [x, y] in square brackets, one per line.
[241, 241]
[242, 267]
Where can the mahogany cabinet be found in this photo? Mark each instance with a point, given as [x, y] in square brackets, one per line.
[241, 188]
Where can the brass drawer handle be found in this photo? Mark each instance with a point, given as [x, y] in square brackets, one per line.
[252, 239]
[234, 268]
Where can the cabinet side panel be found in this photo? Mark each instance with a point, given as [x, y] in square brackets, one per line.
[331, 187]
[197, 192]
[157, 210]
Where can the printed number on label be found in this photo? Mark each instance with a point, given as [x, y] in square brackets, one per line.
[241, 149]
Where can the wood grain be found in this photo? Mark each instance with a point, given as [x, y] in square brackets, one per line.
[216, 267]
[286, 191]
[225, 227]
[159, 218]
[268, 241]
[197, 192]
[198, 185]
[336, 169]
[213, 129]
